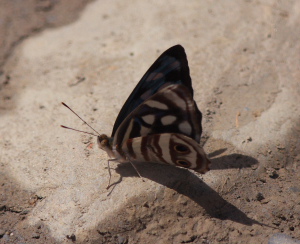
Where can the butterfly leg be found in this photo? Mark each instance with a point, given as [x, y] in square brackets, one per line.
[114, 185]
[109, 172]
[136, 170]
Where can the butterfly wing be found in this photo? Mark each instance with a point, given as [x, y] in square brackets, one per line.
[169, 69]
[172, 149]
[170, 110]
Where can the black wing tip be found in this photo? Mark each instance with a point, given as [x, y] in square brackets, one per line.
[175, 49]
[177, 52]
[178, 46]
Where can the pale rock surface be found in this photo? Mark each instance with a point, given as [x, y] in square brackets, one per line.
[243, 54]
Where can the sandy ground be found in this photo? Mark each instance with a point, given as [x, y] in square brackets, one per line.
[244, 62]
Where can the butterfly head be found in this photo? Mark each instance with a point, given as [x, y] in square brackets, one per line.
[104, 143]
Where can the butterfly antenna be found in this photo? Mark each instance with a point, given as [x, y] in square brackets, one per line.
[81, 120]
[65, 127]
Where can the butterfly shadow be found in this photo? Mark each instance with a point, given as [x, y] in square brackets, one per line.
[232, 161]
[187, 183]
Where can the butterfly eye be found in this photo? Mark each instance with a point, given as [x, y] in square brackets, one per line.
[181, 148]
[102, 141]
[183, 163]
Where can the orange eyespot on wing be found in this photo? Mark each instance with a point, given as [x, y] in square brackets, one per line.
[181, 148]
[183, 163]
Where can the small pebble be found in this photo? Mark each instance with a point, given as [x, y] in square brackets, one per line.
[260, 196]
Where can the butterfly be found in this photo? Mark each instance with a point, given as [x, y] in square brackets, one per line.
[160, 121]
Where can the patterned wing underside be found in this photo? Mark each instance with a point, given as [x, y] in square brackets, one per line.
[172, 149]
[169, 69]
[170, 110]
